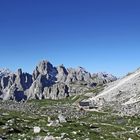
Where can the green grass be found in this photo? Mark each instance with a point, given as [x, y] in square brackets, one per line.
[66, 101]
[95, 90]
[94, 125]
[104, 125]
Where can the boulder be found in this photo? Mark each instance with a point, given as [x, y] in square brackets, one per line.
[61, 118]
[37, 129]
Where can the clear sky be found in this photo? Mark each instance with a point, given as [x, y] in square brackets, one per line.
[100, 35]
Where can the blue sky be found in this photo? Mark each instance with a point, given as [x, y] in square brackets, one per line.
[100, 35]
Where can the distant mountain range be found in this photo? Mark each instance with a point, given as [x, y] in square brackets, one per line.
[49, 82]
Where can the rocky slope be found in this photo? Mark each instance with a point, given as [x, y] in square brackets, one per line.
[122, 95]
[49, 82]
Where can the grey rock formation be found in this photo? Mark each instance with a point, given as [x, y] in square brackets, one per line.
[78, 75]
[4, 72]
[57, 91]
[61, 118]
[13, 85]
[103, 78]
[49, 82]
[122, 95]
[45, 68]
[62, 74]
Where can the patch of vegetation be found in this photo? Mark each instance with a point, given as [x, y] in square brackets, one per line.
[92, 125]
[66, 101]
[95, 90]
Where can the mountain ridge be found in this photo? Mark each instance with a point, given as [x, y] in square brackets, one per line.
[49, 82]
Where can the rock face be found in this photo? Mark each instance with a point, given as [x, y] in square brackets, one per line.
[4, 72]
[122, 95]
[49, 82]
[13, 85]
[103, 78]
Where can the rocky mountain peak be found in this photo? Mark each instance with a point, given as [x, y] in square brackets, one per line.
[81, 69]
[62, 69]
[19, 72]
[4, 72]
[44, 68]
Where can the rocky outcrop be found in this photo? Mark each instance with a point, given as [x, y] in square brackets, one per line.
[103, 78]
[78, 75]
[62, 74]
[49, 82]
[57, 91]
[13, 85]
[4, 72]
